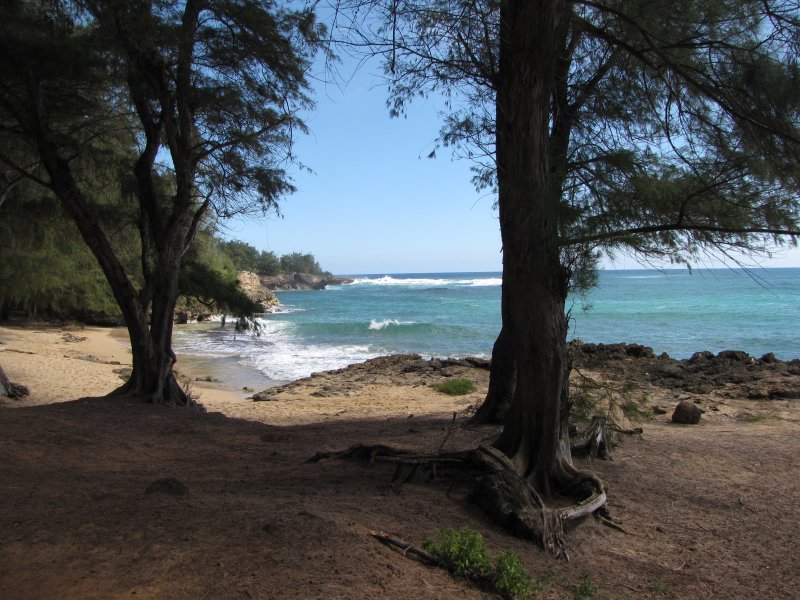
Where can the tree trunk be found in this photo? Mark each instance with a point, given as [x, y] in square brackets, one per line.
[502, 381]
[535, 436]
[152, 378]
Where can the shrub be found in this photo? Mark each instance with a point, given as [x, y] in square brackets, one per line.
[464, 551]
[509, 576]
[455, 387]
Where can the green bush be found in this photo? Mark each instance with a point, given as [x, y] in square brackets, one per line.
[464, 551]
[509, 576]
[455, 387]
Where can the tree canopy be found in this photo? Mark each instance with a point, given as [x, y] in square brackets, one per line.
[672, 125]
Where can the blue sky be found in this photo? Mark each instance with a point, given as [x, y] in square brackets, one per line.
[374, 203]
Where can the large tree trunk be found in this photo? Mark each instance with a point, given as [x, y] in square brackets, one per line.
[535, 436]
[502, 381]
[502, 374]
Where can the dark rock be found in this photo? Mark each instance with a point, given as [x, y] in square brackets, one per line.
[698, 356]
[416, 366]
[659, 410]
[769, 359]
[265, 396]
[784, 392]
[167, 485]
[639, 351]
[735, 355]
[687, 413]
[479, 363]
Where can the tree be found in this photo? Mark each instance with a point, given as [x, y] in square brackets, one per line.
[666, 129]
[209, 89]
[296, 262]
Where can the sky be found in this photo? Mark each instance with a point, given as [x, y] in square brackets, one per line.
[373, 203]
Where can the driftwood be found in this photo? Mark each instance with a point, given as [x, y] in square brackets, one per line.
[12, 390]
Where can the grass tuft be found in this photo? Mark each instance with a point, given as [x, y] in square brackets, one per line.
[455, 387]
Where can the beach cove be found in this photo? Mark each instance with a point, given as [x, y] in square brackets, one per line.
[701, 515]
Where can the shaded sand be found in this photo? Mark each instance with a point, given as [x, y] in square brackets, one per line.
[709, 511]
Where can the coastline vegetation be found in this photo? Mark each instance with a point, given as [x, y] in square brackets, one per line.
[47, 270]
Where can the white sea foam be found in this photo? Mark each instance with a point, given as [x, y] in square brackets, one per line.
[277, 352]
[389, 280]
[489, 281]
[294, 361]
[378, 325]
[426, 281]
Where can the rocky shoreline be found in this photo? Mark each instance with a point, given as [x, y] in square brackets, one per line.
[728, 385]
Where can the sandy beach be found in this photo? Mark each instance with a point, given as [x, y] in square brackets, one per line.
[59, 364]
[707, 511]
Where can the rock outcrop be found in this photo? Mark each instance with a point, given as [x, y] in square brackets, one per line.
[301, 281]
[253, 287]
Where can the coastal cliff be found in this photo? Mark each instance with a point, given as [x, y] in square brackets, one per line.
[260, 288]
[253, 288]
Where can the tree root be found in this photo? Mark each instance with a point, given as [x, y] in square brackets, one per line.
[11, 390]
[594, 440]
[499, 490]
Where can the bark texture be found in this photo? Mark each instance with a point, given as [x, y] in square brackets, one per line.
[502, 381]
[535, 437]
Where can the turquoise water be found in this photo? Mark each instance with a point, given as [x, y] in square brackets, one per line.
[458, 314]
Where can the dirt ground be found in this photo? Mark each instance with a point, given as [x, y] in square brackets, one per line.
[708, 510]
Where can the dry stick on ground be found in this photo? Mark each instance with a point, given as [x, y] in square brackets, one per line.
[500, 491]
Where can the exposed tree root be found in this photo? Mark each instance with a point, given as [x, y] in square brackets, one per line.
[594, 440]
[499, 490]
[172, 393]
[11, 390]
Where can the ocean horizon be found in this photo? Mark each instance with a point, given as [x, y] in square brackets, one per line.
[676, 311]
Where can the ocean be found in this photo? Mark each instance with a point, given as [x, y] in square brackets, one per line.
[458, 314]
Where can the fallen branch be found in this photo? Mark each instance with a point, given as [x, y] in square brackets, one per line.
[406, 547]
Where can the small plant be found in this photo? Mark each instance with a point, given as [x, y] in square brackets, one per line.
[464, 551]
[660, 588]
[509, 576]
[585, 589]
[455, 387]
